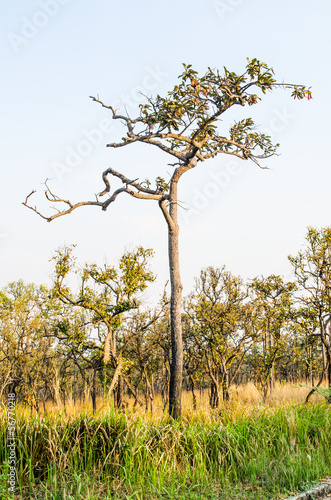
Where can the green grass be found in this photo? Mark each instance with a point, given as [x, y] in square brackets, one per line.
[263, 455]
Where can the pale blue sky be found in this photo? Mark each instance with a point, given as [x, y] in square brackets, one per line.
[55, 53]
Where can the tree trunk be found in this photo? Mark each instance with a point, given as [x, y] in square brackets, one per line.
[272, 367]
[135, 392]
[74, 389]
[64, 400]
[152, 393]
[176, 369]
[110, 345]
[56, 386]
[146, 393]
[94, 391]
[311, 373]
[194, 398]
[324, 359]
[86, 392]
[225, 381]
[328, 358]
[119, 393]
[225, 388]
[214, 400]
[265, 392]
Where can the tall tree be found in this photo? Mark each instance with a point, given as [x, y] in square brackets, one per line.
[184, 125]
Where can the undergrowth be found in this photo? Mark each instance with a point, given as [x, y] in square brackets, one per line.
[261, 454]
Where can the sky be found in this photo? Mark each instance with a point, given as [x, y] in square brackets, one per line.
[56, 53]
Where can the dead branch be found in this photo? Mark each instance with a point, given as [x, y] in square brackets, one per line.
[138, 192]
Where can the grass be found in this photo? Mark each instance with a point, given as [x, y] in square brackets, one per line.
[245, 396]
[247, 451]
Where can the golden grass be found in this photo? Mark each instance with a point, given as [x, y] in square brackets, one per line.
[244, 399]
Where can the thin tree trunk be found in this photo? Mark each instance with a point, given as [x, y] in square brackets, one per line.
[93, 392]
[56, 387]
[134, 391]
[146, 392]
[324, 360]
[64, 400]
[328, 357]
[272, 367]
[214, 399]
[110, 345]
[87, 392]
[225, 382]
[311, 373]
[74, 389]
[44, 398]
[152, 393]
[119, 392]
[194, 398]
[226, 394]
[176, 369]
[115, 377]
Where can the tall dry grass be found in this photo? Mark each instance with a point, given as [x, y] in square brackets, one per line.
[244, 396]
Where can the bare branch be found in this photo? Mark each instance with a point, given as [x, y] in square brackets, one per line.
[127, 120]
[141, 193]
[125, 180]
[149, 139]
[126, 141]
[25, 203]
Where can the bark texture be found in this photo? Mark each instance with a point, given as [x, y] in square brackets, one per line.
[176, 369]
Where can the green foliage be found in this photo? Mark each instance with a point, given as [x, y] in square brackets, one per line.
[161, 185]
[271, 313]
[107, 292]
[313, 263]
[216, 326]
[217, 303]
[25, 314]
[272, 298]
[312, 268]
[187, 117]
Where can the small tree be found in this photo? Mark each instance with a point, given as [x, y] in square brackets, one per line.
[312, 268]
[217, 306]
[140, 345]
[272, 299]
[24, 349]
[107, 293]
[184, 125]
